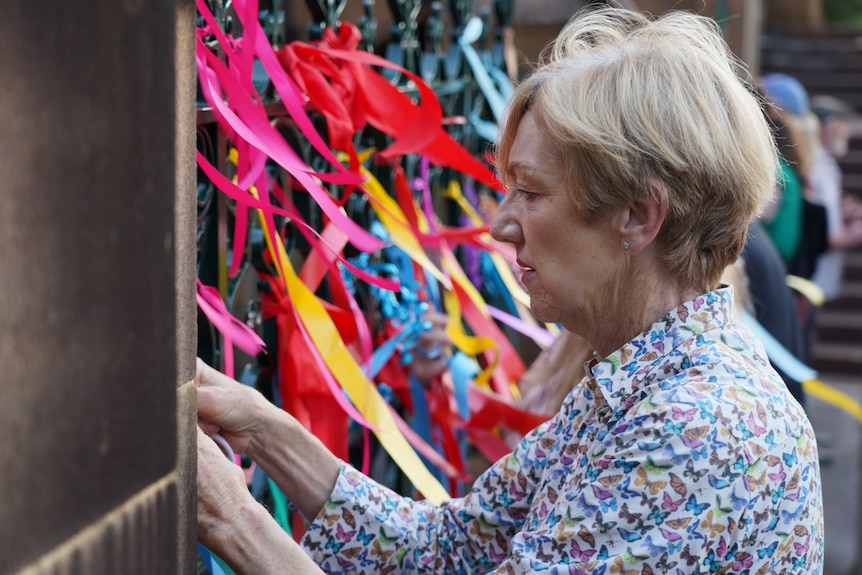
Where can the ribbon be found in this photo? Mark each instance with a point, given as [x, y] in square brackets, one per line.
[252, 125]
[234, 332]
[323, 336]
[542, 337]
[493, 83]
[214, 564]
[256, 44]
[807, 288]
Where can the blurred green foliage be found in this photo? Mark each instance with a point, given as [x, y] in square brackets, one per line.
[848, 12]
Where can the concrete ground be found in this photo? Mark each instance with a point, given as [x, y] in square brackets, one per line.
[840, 437]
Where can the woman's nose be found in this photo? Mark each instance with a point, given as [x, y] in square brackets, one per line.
[504, 226]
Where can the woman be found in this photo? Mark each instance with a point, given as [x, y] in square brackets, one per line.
[634, 160]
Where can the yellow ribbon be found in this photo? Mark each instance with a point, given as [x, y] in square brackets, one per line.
[393, 219]
[349, 374]
[832, 396]
[807, 288]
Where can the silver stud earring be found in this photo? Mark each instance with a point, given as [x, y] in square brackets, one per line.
[626, 245]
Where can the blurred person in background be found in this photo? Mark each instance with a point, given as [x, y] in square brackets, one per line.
[843, 211]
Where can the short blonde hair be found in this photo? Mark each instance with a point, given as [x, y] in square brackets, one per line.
[635, 106]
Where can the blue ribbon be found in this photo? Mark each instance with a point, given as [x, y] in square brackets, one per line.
[778, 354]
[213, 564]
[494, 83]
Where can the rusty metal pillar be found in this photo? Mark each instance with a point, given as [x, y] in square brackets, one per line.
[96, 279]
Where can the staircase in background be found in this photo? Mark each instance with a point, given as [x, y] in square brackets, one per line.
[830, 62]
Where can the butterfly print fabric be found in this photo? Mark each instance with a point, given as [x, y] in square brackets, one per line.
[682, 453]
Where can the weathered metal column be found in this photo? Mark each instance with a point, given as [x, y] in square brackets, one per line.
[96, 235]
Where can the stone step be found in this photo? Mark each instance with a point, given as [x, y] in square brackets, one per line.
[840, 325]
[850, 299]
[811, 62]
[837, 358]
[853, 267]
[799, 44]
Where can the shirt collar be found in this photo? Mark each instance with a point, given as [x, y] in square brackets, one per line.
[621, 374]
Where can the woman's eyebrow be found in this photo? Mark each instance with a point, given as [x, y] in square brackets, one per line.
[523, 172]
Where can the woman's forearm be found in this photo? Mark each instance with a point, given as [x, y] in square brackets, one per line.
[302, 467]
[255, 544]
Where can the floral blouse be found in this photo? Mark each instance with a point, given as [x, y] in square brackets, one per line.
[682, 452]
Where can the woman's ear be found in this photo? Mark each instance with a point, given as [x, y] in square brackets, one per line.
[642, 220]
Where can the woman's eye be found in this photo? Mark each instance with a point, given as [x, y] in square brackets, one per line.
[528, 195]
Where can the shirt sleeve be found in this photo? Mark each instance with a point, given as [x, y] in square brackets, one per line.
[367, 527]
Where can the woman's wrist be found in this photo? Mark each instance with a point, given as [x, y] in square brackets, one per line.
[255, 544]
[263, 412]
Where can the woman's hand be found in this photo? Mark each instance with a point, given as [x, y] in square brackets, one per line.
[222, 493]
[237, 528]
[230, 408]
[434, 349]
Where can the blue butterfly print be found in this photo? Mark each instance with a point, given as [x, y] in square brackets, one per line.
[334, 544]
[364, 538]
[772, 523]
[712, 438]
[626, 465]
[767, 551]
[593, 473]
[719, 483]
[676, 428]
[611, 504]
[656, 336]
[654, 548]
[364, 560]
[631, 367]
[658, 515]
[711, 562]
[791, 458]
[694, 506]
[629, 536]
[706, 407]
[701, 453]
[770, 438]
[711, 298]
[746, 433]
[651, 446]
[603, 553]
[740, 464]
[790, 516]
[624, 490]
[799, 563]
[676, 458]
[778, 493]
[582, 504]
[530, 543]
[554, 518]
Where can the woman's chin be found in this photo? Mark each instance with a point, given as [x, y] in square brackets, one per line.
[543, 312]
